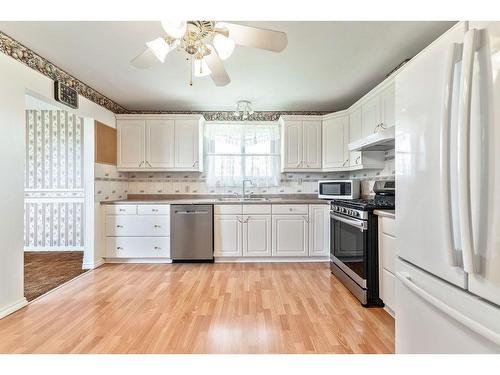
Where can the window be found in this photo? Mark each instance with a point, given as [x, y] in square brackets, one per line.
[238, 151]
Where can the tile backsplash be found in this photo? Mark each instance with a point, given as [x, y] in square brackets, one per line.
[112, 185]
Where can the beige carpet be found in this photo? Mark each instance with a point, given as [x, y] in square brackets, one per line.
[46, 270]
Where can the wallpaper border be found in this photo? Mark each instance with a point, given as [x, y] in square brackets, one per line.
[23, 54]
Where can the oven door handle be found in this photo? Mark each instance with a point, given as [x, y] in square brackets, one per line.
[360, 224]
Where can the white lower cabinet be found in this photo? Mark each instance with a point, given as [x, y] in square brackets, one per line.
[319, 230]
[257, 236]
[277, 230]
[228, 230]
[290, 235]
[387, 258]
[137, 231]
[138, 247]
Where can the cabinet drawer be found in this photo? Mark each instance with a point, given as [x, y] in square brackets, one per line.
[387, 246]
[290, 209]
[153, 209]
[138, 247]
[388, 289]
[257, 209]
[121, 209]
[228, 209]
[387, 226]
[140, 225]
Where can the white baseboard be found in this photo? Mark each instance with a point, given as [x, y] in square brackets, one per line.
[390, 311]
[93, 265]
[7, 310]
[138, 260]
[270, 259]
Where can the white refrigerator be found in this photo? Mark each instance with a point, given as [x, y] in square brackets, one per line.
[448, 194]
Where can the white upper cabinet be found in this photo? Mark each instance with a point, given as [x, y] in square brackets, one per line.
[311, 146]
[388, 106]
[378, 111]
[187, 142]
[335, 140]
[355, 134]
[160, 142]
[301, 143]
[131, 144]
[292, 144]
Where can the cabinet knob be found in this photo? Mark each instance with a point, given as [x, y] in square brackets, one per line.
[157, 248]
[157, 226]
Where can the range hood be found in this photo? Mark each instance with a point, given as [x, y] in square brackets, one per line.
[382, 140]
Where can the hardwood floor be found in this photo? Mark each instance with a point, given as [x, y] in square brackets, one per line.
[200, 308]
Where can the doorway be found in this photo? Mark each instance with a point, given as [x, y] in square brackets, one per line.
[54, 197]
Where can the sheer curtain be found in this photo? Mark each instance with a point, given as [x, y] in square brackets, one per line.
[238, 151]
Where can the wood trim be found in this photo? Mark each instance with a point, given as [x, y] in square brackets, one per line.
[105, 144]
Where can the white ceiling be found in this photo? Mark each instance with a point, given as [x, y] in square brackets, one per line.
[325, 67]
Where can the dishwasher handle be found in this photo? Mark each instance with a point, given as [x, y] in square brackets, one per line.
[190, 212]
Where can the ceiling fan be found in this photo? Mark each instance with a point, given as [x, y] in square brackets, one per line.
[207, 44]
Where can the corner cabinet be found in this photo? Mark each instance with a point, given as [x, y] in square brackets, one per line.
[300, 143]
[160, 142]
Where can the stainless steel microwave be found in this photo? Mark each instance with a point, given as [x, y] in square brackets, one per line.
[338, 189]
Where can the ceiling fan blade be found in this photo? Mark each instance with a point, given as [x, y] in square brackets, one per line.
[219, 74]
[270, 40]
[144, 60]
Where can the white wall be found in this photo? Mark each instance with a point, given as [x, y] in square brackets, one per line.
[17, 80]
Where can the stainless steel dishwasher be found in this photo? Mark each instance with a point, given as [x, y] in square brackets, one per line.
[191, 233]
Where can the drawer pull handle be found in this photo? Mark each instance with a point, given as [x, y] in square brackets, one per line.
[119, 248]
[119, 226]
[121, 210]
[157, 226]
[154, 210]
[157, 248]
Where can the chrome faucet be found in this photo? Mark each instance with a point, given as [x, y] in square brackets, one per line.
[243, 194]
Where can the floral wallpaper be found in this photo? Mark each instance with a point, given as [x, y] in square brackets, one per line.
[54, 180]
[23, 54]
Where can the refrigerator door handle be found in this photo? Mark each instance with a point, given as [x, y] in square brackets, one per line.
[454, 56]
[464, 201]
[451, 312]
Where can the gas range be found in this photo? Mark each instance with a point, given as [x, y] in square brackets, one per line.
[386, 202]
[354, 242]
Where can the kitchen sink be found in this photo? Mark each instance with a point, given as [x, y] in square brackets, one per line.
[234, 199]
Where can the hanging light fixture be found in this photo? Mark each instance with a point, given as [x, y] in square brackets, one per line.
[243, 109]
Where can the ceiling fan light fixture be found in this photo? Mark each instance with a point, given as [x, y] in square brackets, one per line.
[159, 47]
[175, 29]
[201, 68]
[224, 46]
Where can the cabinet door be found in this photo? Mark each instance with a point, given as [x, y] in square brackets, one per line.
[227, 235]
[387, 106]
[370, 116]
[334, 143]
[131, 144]
[257, 235]
[355, 133]
[319, 230]
[311, 145]
[290, 235]
[292, 145]
[187, 144]
[160, 143]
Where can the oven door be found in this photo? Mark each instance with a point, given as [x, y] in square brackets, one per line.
[348, 246]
